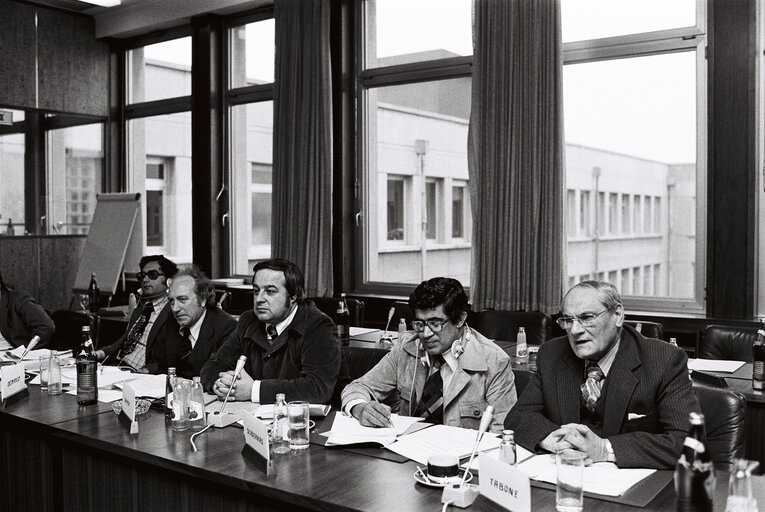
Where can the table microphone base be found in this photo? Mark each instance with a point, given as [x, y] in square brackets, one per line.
[461, 496]
[223, 420]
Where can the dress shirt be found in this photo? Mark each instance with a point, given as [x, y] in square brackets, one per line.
[137, 358]
[280, 328]
[194, 329]
[607, 360]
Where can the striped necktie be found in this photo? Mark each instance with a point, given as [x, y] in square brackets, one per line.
[592, 386]
[431, 406]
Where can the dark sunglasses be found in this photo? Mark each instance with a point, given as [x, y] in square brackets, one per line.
[153, 274]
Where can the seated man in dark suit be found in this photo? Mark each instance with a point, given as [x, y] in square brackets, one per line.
[142, 347]
[21, 319]
[291, 346]
[203, 325]
[604, 389]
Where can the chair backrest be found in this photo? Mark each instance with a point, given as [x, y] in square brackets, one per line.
[503, 325]
[356, 362]
[69, 328]
[648, 329]
[724, 414]
[726, 342]
[328, 305]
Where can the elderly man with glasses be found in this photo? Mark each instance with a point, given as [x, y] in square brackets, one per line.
[604, 389]
[444, 371]
[142, 347]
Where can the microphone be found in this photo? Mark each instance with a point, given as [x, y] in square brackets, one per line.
[239, 365]
[462, 495]
[391, 311]
[32, 343]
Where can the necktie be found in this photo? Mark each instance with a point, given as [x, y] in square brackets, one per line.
[431, 406]
[271, 333]
[591, 387]
[134, 336]
[185, 349]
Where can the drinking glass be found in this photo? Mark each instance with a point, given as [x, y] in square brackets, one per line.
[84, 302]
[44, 362]
[54, 375]
[569, 482]
[740, 497]
[299, 417]
[181, 396]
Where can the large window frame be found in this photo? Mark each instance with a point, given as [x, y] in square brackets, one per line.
[691, 38]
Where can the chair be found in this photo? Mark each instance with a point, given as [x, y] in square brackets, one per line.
[724, 415]
[522, 378]
[69, 328]
[356, 362]
[727, 342]
[503, 325]
[648, 329]
[328, 305]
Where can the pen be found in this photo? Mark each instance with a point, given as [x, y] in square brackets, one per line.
[390, 422]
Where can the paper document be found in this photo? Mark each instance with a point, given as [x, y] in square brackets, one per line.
[714, 365]
[266, 411]
[520, 452]
[441, 439]
[31, 360]
[347, 430]
[145, 385]
[355, 331]
[599, 478]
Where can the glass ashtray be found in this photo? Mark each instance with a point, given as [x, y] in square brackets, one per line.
[141, 406]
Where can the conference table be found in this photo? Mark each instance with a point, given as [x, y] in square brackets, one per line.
[58, 455]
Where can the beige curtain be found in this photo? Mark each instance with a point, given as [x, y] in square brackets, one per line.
[302, 183]
[516, 155]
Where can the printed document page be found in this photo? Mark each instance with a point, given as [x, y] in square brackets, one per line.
[714, 365]
[347, 430]
[441, 439]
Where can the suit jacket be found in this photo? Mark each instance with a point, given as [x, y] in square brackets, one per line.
[216, 328]
[21, 318]
[156, 350]
[303, 362]
[648, 382]
[483, 377]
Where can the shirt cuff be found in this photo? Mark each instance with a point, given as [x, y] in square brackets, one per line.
[350, 405]
[255, 391]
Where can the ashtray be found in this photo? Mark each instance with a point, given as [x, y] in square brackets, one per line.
[141, 406]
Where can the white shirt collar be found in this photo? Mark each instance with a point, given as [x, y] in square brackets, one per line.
[194, 329]
[607, 360]
[282, 326]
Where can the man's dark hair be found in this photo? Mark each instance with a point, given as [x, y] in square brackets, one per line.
[168, 267]
[292, 275]
[203, 287]
[440, 290]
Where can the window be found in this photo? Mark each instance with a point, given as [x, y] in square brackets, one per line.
[458, 212]
[159, 71]
[395, 208]
[585, 226]
[12, 210]
[634, 99]
[572, 217]
[431, 205]
[261, 192]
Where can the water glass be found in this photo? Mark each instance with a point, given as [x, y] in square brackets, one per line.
[569, 493]
[740, 497]
[54, 375]
[44, 361]
[299, 417]
[181, 398]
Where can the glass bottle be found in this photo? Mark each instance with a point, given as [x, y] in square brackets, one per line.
[343, 321]
[507, 451]
[639, 327]
[87, 370]
[54, 374]
[695, 472]
[673, 342]
[169, 383]
[196, 405]
[758, 358]
[93, 293]
[401, 328]
[279, 443]
[521, 348]
[740, 498]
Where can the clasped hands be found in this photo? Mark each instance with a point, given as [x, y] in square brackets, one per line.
[241, 388]
[576, 437]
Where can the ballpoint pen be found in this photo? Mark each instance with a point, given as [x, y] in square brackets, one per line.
[390, 422]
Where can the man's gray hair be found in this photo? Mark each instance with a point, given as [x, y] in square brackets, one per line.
[203, 287]
[607, 293]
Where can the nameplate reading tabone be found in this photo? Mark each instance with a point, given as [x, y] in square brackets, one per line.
[256, 448]
[127, 415]
[12, 385]
[504, 484]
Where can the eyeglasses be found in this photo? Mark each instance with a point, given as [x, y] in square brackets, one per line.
[585, 319]
[434, 325]
[153, 274]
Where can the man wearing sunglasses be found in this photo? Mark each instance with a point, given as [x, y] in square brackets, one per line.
[604, 389]
[443, 371]
[142, 347]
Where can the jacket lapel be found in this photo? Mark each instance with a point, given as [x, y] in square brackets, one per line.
[570, 371]
[471, 360]
[158, 323]
[202, 346]
[621, 383]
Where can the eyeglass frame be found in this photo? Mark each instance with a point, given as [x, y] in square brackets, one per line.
[430, 323]
[140, 275]
[588, 322]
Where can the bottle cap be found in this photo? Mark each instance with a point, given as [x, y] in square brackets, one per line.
[196, 378]
[696, 418]
[521, 329]
[85, 328]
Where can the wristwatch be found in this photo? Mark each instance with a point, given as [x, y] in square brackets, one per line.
[610, 457]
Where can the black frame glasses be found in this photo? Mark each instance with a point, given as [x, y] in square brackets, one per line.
[434, 325]
[153, 274]
[585, 319]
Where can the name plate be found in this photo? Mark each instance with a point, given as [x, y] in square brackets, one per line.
[256, 448]
[11, 380]
[504, 484]
[127, 416]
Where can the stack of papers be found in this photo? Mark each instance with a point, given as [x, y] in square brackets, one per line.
[600, 478]
[32, 359]
[714, 365]
[441, 439]
[347, 430]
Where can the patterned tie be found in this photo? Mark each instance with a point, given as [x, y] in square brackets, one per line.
[431, 406]
[134, 336]
[592, 385]
[271, 333]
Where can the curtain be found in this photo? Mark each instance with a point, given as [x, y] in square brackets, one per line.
[302, 172]
[515, 156]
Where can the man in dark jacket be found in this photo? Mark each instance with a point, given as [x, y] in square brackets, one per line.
[291, 346]
[21, 318]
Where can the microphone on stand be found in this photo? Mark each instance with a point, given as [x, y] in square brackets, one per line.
[30, 346]
[462, 495]
[239, 365]
[384, 335]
